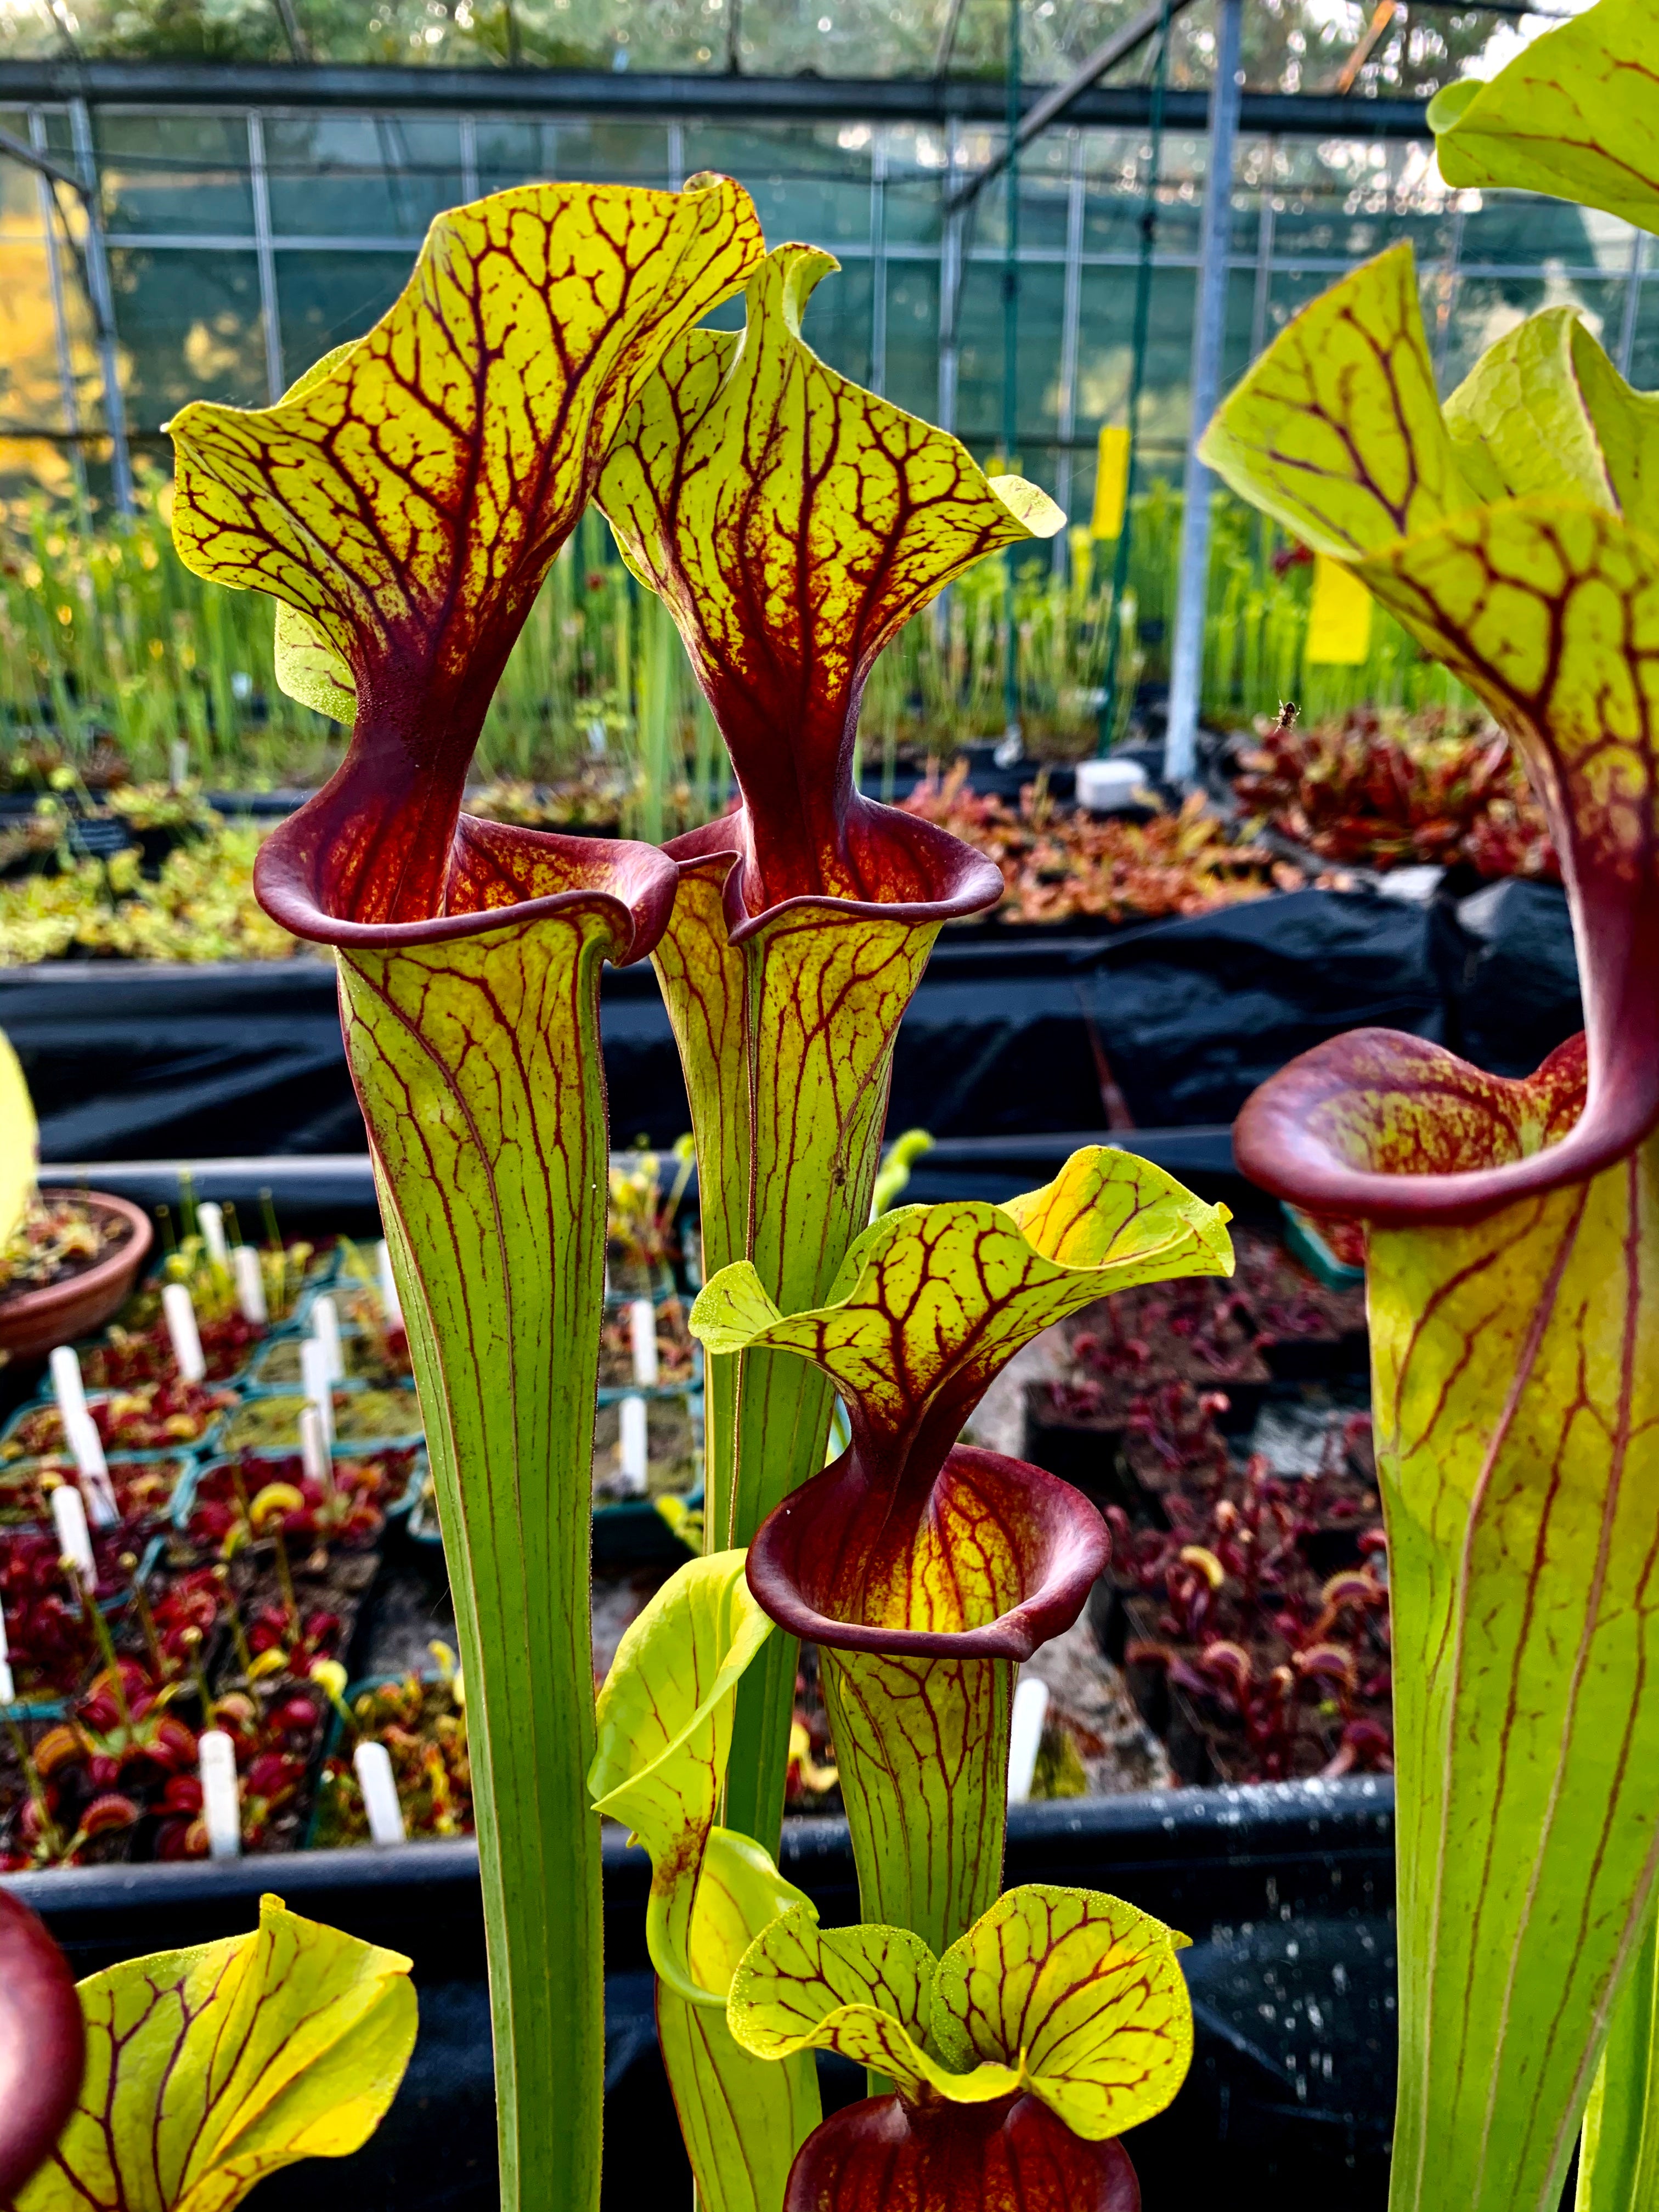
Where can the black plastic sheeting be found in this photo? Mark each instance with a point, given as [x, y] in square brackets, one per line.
[1011, 1034]
[1514, 994]
[1286, 1893]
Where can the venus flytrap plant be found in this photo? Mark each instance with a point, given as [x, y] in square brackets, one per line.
[1513, 1227]
[793, 522]
[925, 1570]
[664, 1736]
[404, 503]
[1057, 2022]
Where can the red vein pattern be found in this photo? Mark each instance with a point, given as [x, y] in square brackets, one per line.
[1517, 1395]
[739, 2160]
[42, 2044]
[473, 1040]
[921, 1600]
[408, 497]
[1337, 428]
[208, 2069]
[786, 1024]
[791, 523]
[1515, 1355]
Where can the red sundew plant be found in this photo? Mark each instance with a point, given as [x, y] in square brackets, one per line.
[1177, 1424]
[144, 1490]
[422, 1724]
[292, 1642]
[1279, 1666]
[274, 1738]
[1058, 863]
[49, 1640]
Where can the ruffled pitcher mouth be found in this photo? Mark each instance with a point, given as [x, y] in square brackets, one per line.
[1390, 1129]
[497, 877]
[907, 871]
[995, 1558]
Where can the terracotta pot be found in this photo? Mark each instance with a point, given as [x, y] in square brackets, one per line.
[34, 1321]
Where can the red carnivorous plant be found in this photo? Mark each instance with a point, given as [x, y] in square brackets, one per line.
[791, 523]
[403, 503]
[924, 1568]
[1512, 1245]
[1057, 2022]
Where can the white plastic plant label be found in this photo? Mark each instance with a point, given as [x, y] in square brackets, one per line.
[373, 1762]
[313, 1449]
[221, 1795]
[210, 1220]
[643, 1327]
[1026, 1737]
[86, 1448]
[318, 1380]
[182, 1328]
[67, 1386]
[250, 1284]
[633, 1447]
[325, 1327]
[68, 1518]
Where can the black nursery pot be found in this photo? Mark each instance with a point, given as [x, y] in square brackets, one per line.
[1287, 1892]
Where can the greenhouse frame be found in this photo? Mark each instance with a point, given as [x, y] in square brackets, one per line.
[252, 218]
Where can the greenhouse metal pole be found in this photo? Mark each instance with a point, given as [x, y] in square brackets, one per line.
[1209, 330]
[102, 299]
[1107, 725]
[1012, 740]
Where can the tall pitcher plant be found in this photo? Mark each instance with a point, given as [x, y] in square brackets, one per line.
[792, 524]
[1513, 1227]
[405, 503]
[1011, 2039]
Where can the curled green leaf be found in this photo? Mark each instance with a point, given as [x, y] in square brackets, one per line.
[209, 2068]
[664, 1734]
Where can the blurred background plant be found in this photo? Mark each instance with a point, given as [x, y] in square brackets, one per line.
[117, 666]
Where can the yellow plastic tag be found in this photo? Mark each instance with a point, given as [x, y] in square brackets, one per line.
[1111, 481]
[18, 1141]
[1338, 617]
